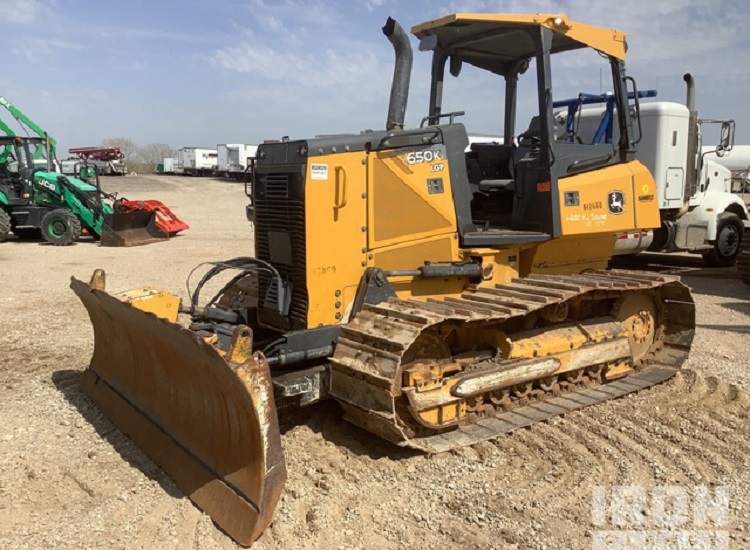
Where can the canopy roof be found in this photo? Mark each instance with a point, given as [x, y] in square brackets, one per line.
[491, 41]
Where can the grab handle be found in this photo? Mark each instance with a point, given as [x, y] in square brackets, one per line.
[339, 200]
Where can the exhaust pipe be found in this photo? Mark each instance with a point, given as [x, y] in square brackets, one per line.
[690, 100]
[691, 177]
[401, 74]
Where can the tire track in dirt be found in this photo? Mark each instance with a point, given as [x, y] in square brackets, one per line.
[563, 473]
[699, 434]
[611, 468]
[681, 450]
[630, 469]
[644, 453]
[589, 466]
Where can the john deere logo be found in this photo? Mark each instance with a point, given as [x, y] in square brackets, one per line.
[616, 202]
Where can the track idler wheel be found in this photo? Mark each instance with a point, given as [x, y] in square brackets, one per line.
[638, 314]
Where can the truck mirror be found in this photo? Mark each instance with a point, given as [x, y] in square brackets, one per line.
[725, 142]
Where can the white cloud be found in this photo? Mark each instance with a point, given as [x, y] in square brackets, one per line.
[273, 23]
[344, 71]
[319, 13]
[33, 49]
[23, 11]
[372, 5]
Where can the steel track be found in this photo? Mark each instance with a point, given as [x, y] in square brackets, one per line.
[367, 362]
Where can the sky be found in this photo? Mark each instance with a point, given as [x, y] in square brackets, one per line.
[199, 73]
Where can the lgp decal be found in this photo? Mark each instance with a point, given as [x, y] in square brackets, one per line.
[616, 202]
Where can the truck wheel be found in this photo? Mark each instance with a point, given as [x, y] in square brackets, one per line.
[729, 232]
[60, 227]
[4, 225]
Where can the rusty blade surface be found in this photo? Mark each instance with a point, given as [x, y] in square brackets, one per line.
[131, 229]
[210, 424]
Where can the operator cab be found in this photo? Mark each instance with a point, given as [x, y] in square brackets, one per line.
[20, 157]
[508, 191]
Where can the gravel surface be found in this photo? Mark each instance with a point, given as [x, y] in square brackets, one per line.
[68, 479]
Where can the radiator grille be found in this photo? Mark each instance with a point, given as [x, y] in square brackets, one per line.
[280, 240]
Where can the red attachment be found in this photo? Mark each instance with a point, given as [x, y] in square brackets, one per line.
[98, 153]
[165, 218]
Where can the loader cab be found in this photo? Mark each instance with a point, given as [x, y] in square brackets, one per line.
[16, 168]
[508, 191]
[20, 158]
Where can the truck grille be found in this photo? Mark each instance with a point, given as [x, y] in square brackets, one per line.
[280, 239]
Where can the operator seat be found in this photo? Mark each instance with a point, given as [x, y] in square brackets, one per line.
[533, 133]
[499, 160]
[527, 140]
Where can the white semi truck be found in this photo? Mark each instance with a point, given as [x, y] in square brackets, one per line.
[699, 212]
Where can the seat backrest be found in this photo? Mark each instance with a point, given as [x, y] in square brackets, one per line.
[493, 159]
[535, 128]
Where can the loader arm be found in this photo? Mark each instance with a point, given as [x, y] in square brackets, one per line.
[8, 148]
[28, 123]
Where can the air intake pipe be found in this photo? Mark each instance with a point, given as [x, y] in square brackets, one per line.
[401, 74]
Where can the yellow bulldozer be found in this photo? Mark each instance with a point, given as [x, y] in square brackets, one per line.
[443, 293]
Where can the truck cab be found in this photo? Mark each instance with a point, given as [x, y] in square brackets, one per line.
[698, 211]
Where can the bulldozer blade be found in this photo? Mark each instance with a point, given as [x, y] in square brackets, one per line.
[131, 229]
[208, 419]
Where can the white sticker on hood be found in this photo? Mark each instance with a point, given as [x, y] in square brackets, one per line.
[319, 172]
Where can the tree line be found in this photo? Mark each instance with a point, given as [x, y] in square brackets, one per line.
[141, 158]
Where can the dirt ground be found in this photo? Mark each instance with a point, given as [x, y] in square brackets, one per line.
[68, 479]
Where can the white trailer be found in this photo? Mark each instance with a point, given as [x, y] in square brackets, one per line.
[169, 165]
[234, 158]
[699, 212]
[197, 161]
[222, 165]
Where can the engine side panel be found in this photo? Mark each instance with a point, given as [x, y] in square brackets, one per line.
[336, 222]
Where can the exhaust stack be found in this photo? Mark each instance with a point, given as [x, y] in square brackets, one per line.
[401, 74]
[690, 99]
[693, 160]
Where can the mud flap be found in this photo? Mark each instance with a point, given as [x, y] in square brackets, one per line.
[131, 229]
[208, 420]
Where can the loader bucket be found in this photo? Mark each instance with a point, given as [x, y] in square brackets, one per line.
[131, 229]
[208, 419]
[166, 220]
